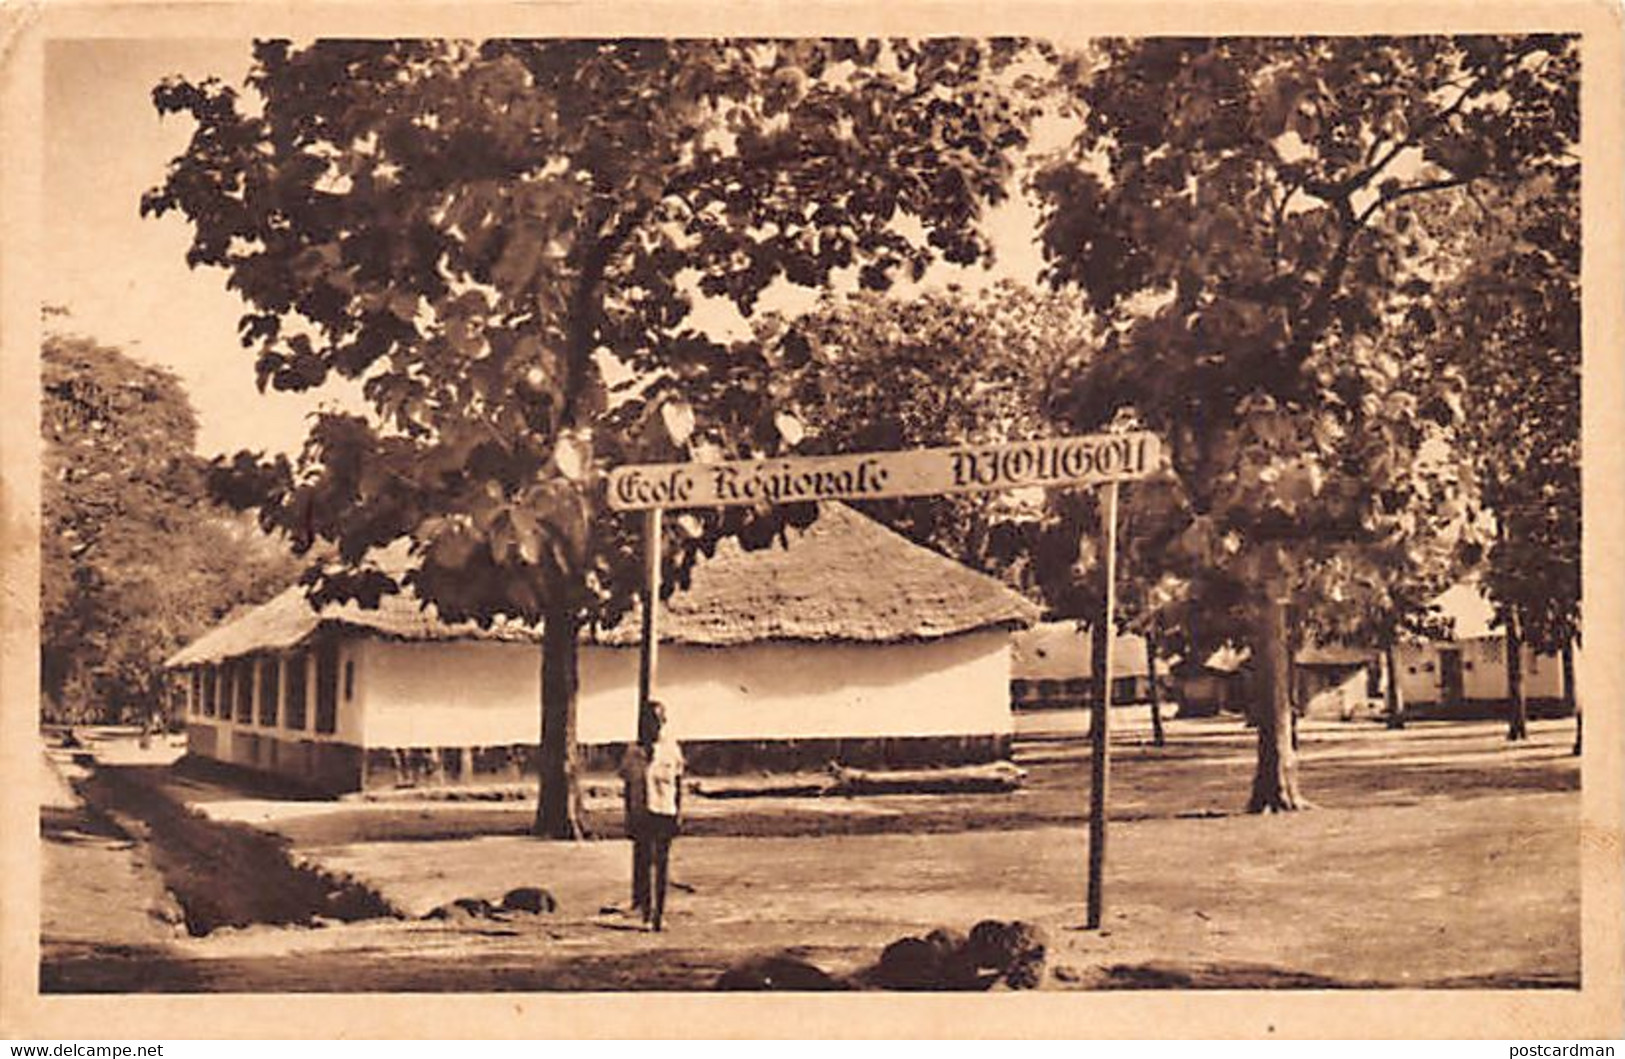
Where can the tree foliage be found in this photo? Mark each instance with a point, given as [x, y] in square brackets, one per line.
[941, 367]
[493, 235]
[134, 561]
[947, 367]
[1509, 321]
[1248, 215]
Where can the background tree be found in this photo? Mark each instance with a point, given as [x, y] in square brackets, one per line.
[1165, 602]
[485, 233]
[1390, 599]
[946, 367]
[134, 560]
[1508, 319]
[940, 367]
[1244, 214]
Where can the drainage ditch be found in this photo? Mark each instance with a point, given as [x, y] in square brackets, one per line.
[222, 874]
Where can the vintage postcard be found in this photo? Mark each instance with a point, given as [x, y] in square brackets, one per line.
[532, 520]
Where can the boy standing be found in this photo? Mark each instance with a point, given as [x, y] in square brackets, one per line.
[652, 771]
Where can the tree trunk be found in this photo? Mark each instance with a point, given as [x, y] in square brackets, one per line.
[1517, 704]
[1570, 699]
[53, 677]
[1275, 782]
[558, 805]
[1393, 694]
[1158, 738]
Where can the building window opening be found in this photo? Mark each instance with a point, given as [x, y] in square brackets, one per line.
[270, 688]
[349, 680]
[294, 714]
[244, 681]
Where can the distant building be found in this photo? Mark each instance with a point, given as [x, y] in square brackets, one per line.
[1337, 682]
[1467, 674]
[1216, 683]
[851, 645]
[1052, 665]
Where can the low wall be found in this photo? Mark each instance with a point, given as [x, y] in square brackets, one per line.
[713, 757]
[387, 768]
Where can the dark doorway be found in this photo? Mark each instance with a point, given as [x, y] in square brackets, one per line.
[1450, 677]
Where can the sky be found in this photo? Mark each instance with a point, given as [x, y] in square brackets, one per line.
[124, 280]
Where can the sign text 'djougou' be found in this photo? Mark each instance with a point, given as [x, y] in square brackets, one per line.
[873, 475]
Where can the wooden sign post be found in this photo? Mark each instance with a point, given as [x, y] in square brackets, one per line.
[1101, 713]
[1094, 460]
[649, 638]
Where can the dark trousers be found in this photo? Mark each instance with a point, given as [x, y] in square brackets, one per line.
[651, 859]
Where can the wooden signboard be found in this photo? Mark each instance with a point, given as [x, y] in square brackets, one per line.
[1092, 460]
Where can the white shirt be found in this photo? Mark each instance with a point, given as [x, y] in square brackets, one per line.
[662, 776]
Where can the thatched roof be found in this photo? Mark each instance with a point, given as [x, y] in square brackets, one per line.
[1226, 660]
[845, 578]
[288, 620]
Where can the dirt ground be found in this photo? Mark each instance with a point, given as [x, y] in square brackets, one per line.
[1204, 771]
[1440, 856]
[103, 898]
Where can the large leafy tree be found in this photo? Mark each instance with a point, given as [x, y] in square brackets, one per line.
[134, 560]
[1248, 214]
[485, 232]
[947, 367]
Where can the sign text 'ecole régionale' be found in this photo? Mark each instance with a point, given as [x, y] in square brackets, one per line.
[1089, 460]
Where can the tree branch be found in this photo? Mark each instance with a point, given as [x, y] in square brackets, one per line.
[1414, 189]
[584, 305]
[1278, 218]
[1370, 172]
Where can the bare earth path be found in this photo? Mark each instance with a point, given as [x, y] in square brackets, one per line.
[102, 899]
[1459, 868]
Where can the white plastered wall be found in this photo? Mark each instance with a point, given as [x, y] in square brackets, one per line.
[955, 686]
[487, 694]
[1483, 671]
[454, 693]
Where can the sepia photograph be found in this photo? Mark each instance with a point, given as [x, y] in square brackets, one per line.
[923, 511]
